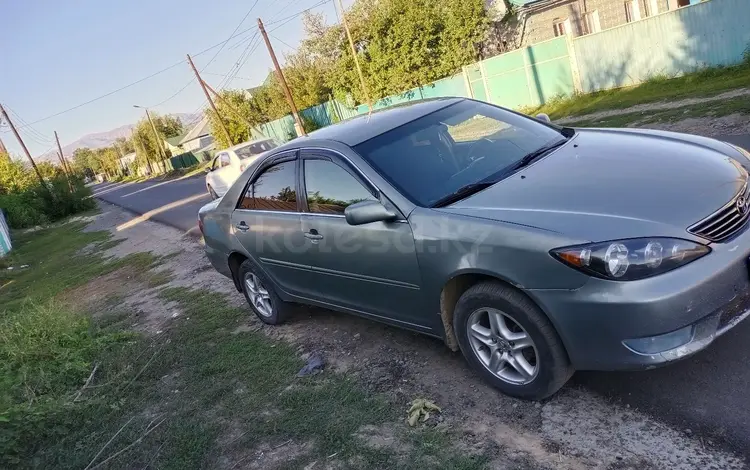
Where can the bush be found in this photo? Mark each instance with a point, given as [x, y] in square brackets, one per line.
[35, 206]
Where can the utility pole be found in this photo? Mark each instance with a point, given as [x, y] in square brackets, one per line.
[287, 93]
[354, 53]
[26, 150]
[66, 167]
[159, 142]
[2, 147]
[210, 101]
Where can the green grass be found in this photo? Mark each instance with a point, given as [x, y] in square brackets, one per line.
[195, 396]
[703, 83]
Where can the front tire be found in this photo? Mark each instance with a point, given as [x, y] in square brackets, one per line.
[260, 294]
[510, 342]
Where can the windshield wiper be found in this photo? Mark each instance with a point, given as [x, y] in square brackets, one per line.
[462, 193]
[530, 157]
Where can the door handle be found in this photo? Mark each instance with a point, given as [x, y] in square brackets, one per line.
[242, 227]
[313, 235]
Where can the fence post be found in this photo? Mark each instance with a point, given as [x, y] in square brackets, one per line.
[575, 72]
[484, 82]
[467, 82]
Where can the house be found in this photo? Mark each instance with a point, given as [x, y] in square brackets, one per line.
[173, 144]
[540, 20]
[198, 139]
[126, 160]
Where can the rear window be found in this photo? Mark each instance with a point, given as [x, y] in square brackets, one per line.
[255, 148]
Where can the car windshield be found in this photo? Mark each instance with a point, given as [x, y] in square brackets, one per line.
[469, 142]
[255, 148]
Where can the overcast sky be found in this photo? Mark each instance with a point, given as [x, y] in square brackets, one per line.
[57, 54]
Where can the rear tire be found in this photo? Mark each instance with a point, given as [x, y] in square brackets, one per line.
[260, 294]
[509, 341]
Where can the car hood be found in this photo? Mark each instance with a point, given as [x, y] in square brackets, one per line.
[607, 184]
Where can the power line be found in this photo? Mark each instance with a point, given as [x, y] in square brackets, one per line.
[282, 41]
[165, 69]
[31, 132]
[216, 54]
[224, 75]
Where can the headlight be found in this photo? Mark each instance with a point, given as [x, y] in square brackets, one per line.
[628, 260]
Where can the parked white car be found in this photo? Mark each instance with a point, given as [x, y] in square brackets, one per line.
[229, 164]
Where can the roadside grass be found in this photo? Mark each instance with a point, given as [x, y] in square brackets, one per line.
[713, 109]
[199, 395]
[702, 83]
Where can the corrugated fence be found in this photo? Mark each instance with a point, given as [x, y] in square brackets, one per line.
[5, 245]
[710, 33]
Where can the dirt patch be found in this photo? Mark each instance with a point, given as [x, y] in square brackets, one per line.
[270, 456]
[382, 437]
[575, 429]
[732, 124]
[658, 106]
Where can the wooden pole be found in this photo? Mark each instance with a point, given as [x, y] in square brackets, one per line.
[159, 142]
[280, 74]
[210, 101]
[25, 150]
[66, 167]
[354, 53]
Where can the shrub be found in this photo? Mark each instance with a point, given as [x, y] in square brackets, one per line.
[35, 206]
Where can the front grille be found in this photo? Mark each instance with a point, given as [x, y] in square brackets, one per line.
[727, 221]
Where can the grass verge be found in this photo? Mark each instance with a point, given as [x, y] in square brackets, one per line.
[83, 391]
[702, 83]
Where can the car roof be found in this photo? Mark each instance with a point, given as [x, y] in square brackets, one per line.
[364, 127]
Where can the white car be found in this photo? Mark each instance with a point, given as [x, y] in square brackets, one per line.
[229, 164]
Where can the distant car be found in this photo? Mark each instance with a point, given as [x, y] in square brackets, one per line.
[229, 164]
[537, 249]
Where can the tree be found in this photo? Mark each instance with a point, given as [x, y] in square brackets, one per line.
[124, 145]
[402, 44]
[14, 176]
[145, 144]
[84, 161]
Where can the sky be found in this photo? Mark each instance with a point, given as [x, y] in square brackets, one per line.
[57, 54]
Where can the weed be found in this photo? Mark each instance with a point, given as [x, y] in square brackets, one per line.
[707, 81]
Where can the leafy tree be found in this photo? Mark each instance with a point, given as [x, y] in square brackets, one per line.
[145, 144]
[14, 176]
[124, 145]
[84, 161]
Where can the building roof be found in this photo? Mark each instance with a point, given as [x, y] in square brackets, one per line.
[175, 141]
[364, 127]
[199, 130]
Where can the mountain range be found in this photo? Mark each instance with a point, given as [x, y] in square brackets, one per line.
[104, 139]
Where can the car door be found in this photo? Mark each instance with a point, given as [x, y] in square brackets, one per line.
[212, 178]
[369, 268]
[267, 223]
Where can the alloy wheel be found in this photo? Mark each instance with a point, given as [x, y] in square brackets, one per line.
[258, 295]
[503, 346]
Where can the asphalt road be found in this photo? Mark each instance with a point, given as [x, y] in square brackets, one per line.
[708, 393]
[173, 202]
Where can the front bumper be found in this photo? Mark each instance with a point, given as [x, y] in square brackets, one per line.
[599, 322]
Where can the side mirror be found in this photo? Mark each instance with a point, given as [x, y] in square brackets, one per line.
[543, 117]
[366, 212]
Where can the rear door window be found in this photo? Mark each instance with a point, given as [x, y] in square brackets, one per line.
[274, 190]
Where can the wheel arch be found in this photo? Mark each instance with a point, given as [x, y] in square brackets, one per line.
[462, 281]
[235, 260]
